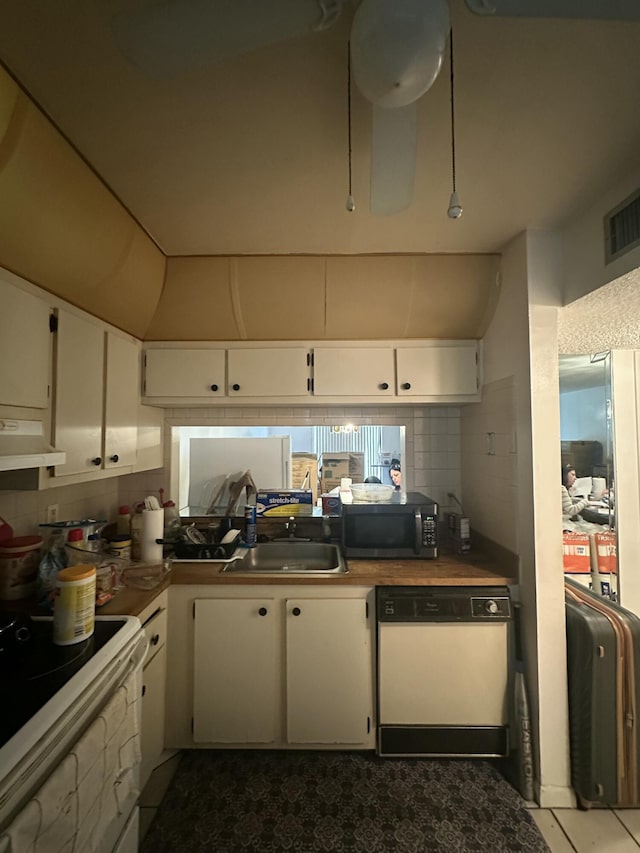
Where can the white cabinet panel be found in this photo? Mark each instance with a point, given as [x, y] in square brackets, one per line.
[278, 372]
[235, 675]
[443, 371]
[121, 402]
[327, 671]
[184, 373]
[152, 724]
[352, 372]
[25, 342]
[78, 393]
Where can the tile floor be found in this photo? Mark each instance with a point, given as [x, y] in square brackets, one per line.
[565, 830]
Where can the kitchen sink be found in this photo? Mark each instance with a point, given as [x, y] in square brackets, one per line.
[291, 558]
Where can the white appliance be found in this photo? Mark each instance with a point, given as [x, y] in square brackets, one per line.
[443, 671]
[70, 771]
[212, 460]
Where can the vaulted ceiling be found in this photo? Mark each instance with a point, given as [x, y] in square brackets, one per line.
[250, 155]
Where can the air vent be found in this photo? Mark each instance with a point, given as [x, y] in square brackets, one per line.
[622, 228]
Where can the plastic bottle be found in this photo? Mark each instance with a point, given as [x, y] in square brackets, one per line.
[124, 521]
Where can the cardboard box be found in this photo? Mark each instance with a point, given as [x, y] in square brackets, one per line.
[300, 464]
[287, 502]
[576, 550]
[335, 466]
[331, 505]
[604, 553]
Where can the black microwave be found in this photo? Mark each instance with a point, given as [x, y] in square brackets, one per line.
[405, 528]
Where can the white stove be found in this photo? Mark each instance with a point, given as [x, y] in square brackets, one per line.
[70, 739]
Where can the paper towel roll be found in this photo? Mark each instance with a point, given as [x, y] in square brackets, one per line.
[152, 529]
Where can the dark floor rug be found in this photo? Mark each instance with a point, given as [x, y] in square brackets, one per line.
[225, 801]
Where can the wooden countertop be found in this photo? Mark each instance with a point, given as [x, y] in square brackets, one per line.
[448, 570]
[475, 569]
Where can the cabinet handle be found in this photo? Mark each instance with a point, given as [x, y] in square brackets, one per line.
[296, 611]
[263, 611]
[97, 460]
[384, 386]
[236, 387]
[155, 639]
[214, 387]
[405, 386]
[144, 689]
[114, 458]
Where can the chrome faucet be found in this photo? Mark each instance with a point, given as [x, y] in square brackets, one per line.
[290, 527]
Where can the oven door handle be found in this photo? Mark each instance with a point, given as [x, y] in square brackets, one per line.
[137, 658]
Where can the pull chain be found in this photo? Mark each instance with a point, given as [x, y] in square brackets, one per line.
[455, 208]
[351, 205]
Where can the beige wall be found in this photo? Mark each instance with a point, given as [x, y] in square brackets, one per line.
[326, 297]
[62, 229]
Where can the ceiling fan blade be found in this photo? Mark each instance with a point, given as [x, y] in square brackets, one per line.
[393, 159]
[175, 36]
[622, 10]
[397, 48]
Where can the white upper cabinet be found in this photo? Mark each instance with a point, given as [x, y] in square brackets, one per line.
[266, 372]
[353, 372]
[95, 418]
[121, 402]
[184, 373]
[79, 384]
[24, 347]
[437, 371]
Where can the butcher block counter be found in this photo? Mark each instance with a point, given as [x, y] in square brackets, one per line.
[453, 570]
[475, 569]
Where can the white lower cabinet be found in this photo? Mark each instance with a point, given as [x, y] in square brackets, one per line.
[273, 666]
[154, 677]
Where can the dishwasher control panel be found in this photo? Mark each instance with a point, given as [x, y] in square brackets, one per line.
[443, 604]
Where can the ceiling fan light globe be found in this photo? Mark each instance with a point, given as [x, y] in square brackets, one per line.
[397, 48]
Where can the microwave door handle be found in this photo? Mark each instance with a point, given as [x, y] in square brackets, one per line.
[418, 520]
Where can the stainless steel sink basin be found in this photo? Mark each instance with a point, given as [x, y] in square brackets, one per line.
[291, 558]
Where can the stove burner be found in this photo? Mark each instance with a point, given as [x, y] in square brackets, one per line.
[33, 671]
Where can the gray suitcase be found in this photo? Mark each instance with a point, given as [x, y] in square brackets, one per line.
[603, 655]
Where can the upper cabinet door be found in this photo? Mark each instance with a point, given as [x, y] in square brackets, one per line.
[184, 373]
[442, 371]
[353, 372]
[269, 372]
[78, 393]
[121, 402]
[24, 348]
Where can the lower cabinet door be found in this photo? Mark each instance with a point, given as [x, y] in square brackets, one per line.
[152, 725]
[236, 674]
[328, 671]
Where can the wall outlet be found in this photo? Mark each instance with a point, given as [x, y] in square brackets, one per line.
[51, 514]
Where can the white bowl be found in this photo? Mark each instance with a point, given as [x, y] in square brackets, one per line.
[371, 492]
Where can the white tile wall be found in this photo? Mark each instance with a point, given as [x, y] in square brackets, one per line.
[431, 466]
[433, 473]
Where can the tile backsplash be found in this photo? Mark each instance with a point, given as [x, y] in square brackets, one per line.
[431, 464]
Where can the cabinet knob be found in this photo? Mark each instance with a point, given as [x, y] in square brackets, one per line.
[405, 386]
[155, 639]
[97, 460]
[114, 458]
[214, 387]
[263, 611]
[296, 611]
[236, 387]
[384, 386]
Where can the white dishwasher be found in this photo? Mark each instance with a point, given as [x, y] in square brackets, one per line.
[443, 671]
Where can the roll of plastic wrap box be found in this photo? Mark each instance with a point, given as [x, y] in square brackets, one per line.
[152, 529]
